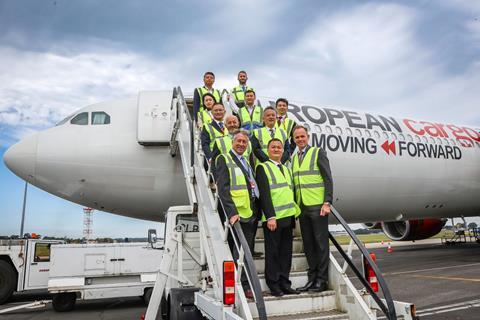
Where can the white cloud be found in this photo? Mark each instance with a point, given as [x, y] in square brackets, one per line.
[370, 58]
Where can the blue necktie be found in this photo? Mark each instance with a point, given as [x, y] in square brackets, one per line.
[250, 175]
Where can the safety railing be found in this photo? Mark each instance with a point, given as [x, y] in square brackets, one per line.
[239, 240]
[389, 308]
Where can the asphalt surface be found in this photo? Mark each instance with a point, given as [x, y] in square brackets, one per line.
[442, 281]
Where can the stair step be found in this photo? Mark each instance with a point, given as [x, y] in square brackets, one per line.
[322, 315]
[297, 245]
[294, 304]
[298, 279]
[299, 263]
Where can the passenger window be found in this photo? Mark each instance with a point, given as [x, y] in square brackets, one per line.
[394, 136]
[401, 137]
[358, 132]
[417, 138]
[432, 140]
[318, 128]
[425, 139]
[453, 142]
[409, 137]
[80, 119]
[42, 252]
[439, 141]
[349, 131]
[385, 135]
[329, 130]
[339, 130]
[100, 118]
[376, 134]
[368, 134]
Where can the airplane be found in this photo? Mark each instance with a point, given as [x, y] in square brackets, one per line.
[402, 175]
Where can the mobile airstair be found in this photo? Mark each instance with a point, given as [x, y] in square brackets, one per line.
[216, 295]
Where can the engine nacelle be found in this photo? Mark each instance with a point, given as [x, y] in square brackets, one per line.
[412, 229]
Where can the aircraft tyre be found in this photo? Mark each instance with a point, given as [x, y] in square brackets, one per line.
[64, 302]
[7, 281]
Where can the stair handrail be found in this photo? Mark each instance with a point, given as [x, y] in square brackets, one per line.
[252, 275]
[389, 308]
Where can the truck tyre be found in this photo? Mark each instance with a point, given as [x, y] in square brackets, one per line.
[7, 281]
[65, 301]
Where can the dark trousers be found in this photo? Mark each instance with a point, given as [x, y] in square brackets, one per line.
[249, 229]
[278, 254]
[315, 243]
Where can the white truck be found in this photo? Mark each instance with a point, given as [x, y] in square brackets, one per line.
[77, 271]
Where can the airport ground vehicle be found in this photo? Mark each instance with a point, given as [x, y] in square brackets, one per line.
[77, 271]
[24, 265]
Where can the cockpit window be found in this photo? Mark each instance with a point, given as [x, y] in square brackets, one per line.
[100, 117]
[80, 119]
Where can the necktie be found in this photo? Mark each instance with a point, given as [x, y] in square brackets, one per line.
[281, 169]
[279, 121]
[244, 89]
[220, 124]
[272, 132]
[250, 175]
[300, 156]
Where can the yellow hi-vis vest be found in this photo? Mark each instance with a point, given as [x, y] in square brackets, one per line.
[204, 116]
[253, 122]
[308, 181]
[281, 191]
[239, 94]
[263, 136]
[224, 144]
[286, 125]
[238, 187]
[201, 92]
[213, 133]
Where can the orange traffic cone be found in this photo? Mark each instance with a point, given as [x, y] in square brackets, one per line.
[389, 249]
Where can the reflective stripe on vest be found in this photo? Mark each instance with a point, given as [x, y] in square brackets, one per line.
[263, 136]
[201, 92]
[281, 191]
[238, 187]
[213, 133]
[224, 144]
[286, 125]
[204, 116]
[239, 94]
[247, 122]
[309, 186]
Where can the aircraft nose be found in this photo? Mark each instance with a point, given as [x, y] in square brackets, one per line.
[21, 158]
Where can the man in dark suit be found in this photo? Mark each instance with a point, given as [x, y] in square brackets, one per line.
[238, 192]
[213, 130]
[313, 192]
[279, 210]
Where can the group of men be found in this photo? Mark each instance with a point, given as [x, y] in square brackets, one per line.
[265, 170]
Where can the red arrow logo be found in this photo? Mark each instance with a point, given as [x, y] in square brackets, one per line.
[389, 147]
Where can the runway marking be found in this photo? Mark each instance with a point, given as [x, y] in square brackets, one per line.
[446, 308]
[430, 269]
[447, 278]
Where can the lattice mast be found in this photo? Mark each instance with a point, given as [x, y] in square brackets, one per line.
[87, 223]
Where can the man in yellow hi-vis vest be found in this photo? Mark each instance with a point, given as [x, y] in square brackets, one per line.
[208, 81]
[313, 183]
[238, 93]
[287, 124]
[238, 192]
[275, 183]
[261, 136]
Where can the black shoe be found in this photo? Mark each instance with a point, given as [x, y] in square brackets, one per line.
[289, 290]
[276, 292]
[306, 287]
[318, 286]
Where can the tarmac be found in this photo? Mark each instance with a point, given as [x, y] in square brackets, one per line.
[442, 281]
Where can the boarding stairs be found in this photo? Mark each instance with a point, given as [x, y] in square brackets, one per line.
[342, 301]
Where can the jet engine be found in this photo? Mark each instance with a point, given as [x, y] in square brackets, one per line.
[412, 229]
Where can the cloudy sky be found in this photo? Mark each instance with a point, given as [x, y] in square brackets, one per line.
[401, 58]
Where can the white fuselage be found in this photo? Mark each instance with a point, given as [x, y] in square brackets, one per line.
[384, 169]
